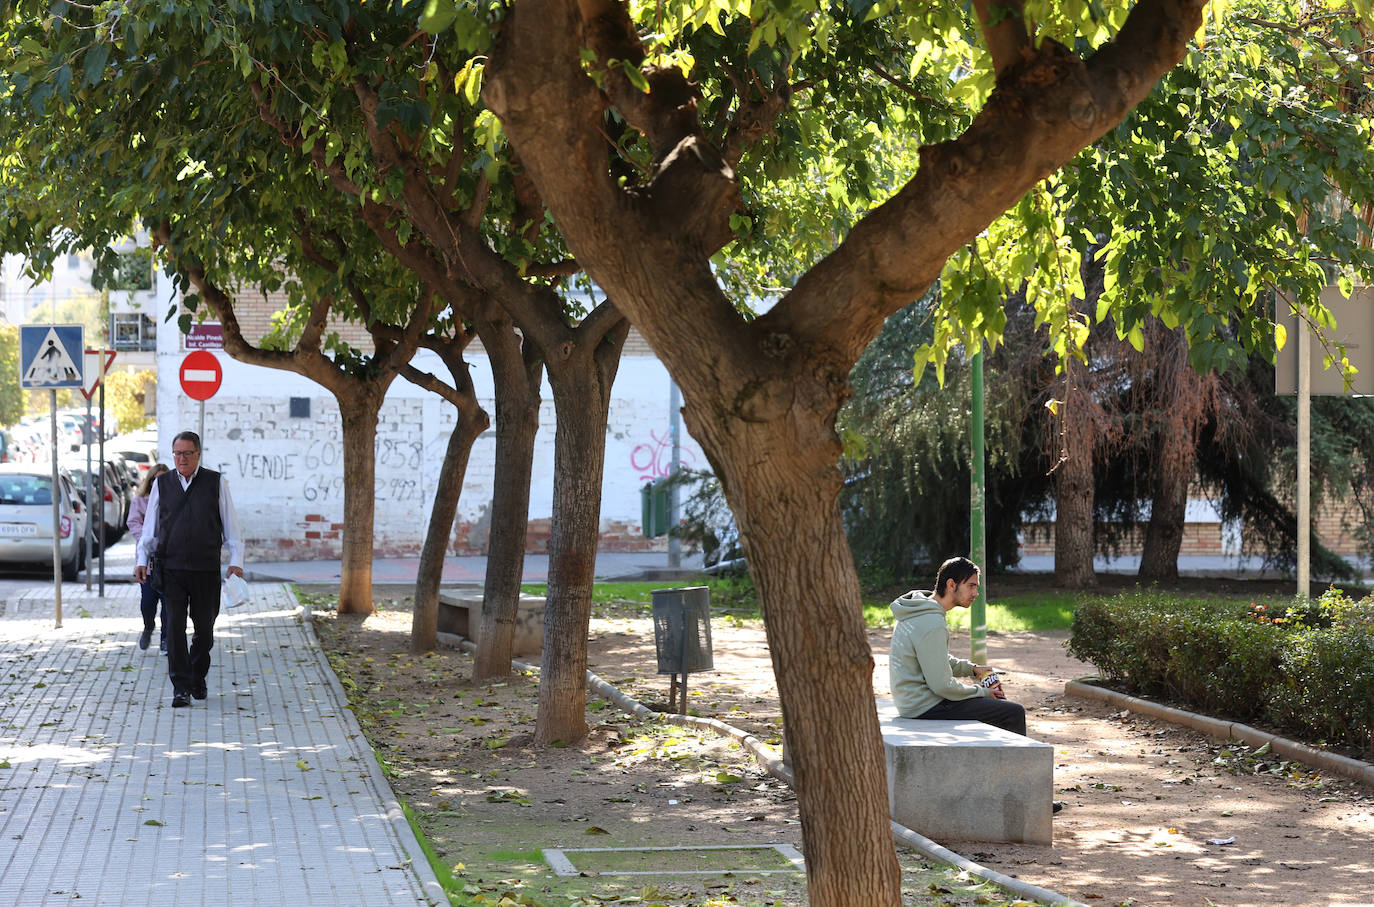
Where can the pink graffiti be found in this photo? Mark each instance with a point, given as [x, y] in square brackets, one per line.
[654, 459]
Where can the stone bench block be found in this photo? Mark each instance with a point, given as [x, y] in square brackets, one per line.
[967, 781]
[461, 613]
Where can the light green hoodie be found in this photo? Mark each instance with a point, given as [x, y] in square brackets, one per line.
[920, 669]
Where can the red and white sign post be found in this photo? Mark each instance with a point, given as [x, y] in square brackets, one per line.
[200, 379]
[96, 366]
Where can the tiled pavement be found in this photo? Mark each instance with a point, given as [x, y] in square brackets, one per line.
[264, 793]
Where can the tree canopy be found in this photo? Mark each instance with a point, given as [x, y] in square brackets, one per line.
[692, 158]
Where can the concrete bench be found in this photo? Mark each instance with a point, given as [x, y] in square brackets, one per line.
[461, 613]
[967, 781]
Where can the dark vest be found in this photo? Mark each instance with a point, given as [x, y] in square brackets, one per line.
[196, 533]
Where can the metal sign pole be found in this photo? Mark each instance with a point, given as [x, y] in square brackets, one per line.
[102, 468]
[1304, 460]
[200, 427]
[56, 513]
[90, 506]
[674, 490]
[978, 545]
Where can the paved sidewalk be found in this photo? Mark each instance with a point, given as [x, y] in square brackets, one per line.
[264, 793]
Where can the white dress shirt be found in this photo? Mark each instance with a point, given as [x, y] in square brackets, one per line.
[226, 517]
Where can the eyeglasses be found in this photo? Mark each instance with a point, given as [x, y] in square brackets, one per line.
[184, 454]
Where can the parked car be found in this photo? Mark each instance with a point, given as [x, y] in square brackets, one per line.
[726, 557]
[143, 456]
[26, 496]
[116, 500]
[128, 471]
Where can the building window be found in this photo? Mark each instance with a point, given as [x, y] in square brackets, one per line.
[133, 332]
[300, 407]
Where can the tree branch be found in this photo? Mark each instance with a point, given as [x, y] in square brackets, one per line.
[1004, 29]
[1043, 111]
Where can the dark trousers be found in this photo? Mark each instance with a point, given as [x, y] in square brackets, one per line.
[193, 594]
[1003, 713]
[149, 599]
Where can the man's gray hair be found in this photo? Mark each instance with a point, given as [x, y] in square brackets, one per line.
[188, 436]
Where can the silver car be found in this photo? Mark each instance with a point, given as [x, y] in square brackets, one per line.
[26, 518]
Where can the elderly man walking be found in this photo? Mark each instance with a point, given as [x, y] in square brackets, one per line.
[190, 518]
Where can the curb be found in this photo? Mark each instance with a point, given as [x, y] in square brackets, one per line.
[775, 767]
[1229, 730]
[405, 835]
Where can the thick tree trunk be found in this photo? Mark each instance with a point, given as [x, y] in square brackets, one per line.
[581, 394]
[518, 377]
[424, 625]
[783, 486]
[359, 416]
[1073, 522]
[1164, 533]
[1181, 401]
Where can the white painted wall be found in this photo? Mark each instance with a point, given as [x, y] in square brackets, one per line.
[286, 474]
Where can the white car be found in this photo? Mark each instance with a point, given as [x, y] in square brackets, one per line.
[26, 530]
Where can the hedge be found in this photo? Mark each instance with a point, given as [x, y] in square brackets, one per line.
[1305, 668]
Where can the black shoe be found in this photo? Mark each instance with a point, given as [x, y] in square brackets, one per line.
[180, 701]
[1058, 806]
[144, 638]
[162, 646]
[199, 691]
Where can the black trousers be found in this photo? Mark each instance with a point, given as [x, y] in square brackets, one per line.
[190, 594]
[1003, 713]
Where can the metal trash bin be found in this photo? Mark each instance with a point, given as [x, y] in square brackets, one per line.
[682, 636]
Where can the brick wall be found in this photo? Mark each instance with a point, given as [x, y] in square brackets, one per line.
[1335, 526]
[1198, 539]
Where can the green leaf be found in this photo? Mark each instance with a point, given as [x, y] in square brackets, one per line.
[438, 15]
[637, 79]
[93, 67]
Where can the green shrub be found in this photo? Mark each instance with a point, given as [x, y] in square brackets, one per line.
[1307, 668]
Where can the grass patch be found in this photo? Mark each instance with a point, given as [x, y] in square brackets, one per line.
[535, 857]
[1037, 611]
[734, 598]
[669, 861]
[730, 596]
[441, 871]
[1026, 611]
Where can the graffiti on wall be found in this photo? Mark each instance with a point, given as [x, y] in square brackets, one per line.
[654, 459]
[317, 472]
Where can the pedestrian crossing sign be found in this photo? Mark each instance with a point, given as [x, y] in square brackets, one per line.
[51, 355]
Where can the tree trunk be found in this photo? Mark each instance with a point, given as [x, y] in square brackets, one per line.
[518, 375]
[359, 416]
[424, 625]
[1073, 522]
[1164, 533]
[582, 394]
[783, 486]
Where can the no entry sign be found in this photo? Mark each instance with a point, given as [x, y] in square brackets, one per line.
[200, 375]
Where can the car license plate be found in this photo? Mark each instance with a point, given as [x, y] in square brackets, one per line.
[18, 529]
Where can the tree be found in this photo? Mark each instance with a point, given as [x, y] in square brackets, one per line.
[761, 396]
[126, 396]
[238, 217]
[420, 166]
[906, 498]
[11, 398]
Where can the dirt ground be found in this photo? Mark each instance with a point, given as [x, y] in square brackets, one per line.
[1144, 800]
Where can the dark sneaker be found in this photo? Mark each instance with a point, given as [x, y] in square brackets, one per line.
[144, 638]
[180, 701]
[162, 646]
[199, 691]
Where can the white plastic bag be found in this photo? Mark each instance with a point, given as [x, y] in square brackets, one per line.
[235, 590]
